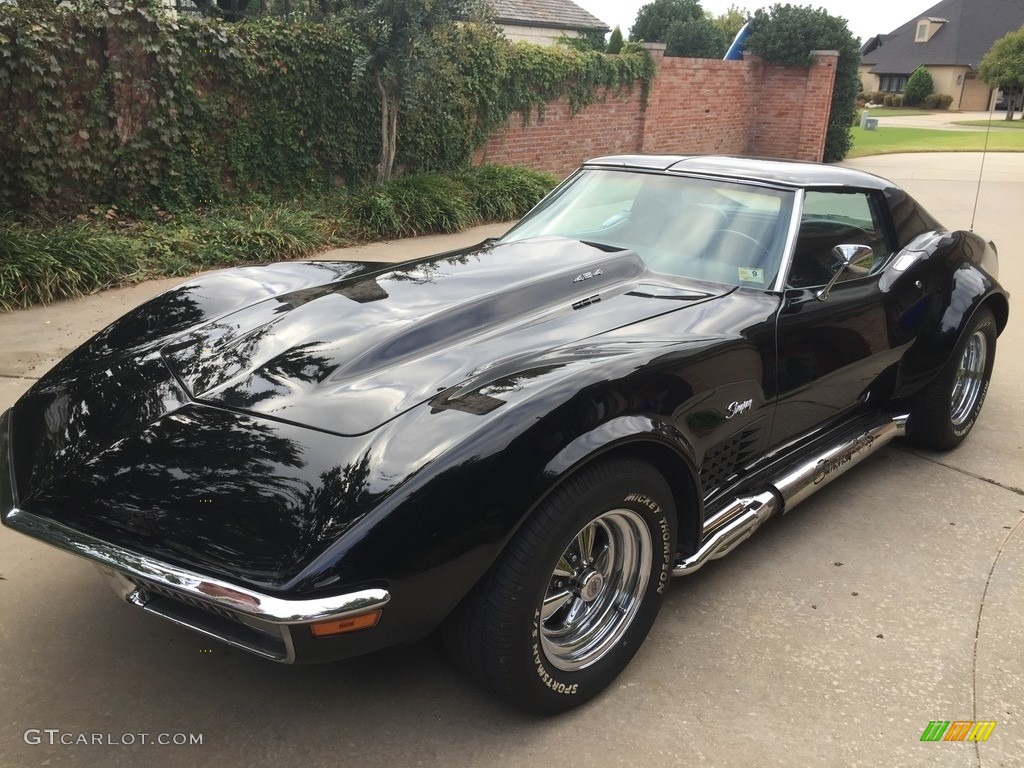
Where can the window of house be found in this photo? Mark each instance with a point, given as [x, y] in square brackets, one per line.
[892, 83]
[922, 31]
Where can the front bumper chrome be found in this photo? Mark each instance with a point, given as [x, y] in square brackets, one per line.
[239, 616]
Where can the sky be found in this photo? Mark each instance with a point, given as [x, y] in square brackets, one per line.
[865, 18]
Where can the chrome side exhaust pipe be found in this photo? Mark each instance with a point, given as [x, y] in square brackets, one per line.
[817, 472]
[737, 522]
[745, 516]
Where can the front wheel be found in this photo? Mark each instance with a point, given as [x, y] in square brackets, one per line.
[575, 592]
[944, 412]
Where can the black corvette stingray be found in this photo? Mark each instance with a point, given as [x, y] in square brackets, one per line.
[520, 442]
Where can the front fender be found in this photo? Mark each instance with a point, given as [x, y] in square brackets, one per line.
[467, 472]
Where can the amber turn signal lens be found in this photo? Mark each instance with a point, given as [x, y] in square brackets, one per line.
[350, 624]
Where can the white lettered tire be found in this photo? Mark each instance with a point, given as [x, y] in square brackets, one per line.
[575, 592]
[943, 414]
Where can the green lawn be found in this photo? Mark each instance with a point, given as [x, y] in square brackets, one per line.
[886, 140]
[998, 122]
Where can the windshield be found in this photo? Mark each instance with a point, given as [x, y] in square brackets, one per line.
[708, 229]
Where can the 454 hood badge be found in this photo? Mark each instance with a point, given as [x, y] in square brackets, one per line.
[588, 275]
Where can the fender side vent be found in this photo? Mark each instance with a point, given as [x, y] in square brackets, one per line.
[587, 302]
[731, 453]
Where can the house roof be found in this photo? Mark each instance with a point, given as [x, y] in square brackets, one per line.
[970, 28]
[557, 14]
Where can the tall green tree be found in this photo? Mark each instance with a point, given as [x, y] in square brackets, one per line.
[919, 87]
[731, 21]
[1003, 67]
[696, 38]
[398, 40]
[654, 19]
[788, 34]
[682, 25]
[615, 41]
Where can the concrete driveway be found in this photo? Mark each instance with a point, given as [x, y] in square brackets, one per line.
[893, 598]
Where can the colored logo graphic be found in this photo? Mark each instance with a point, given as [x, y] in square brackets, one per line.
[958, 730]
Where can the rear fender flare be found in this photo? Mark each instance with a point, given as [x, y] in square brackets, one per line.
[970, 288]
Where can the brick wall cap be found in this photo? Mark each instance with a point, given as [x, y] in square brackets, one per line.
[825, 53]
[660, 47]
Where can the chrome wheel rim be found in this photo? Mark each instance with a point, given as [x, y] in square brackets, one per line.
[596, 589]
[968, 382]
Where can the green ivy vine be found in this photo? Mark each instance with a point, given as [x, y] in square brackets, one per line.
[136, 107]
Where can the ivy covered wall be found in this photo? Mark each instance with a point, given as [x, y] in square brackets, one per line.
[132, 106]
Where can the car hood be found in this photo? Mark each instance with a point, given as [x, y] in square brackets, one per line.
[349, 355]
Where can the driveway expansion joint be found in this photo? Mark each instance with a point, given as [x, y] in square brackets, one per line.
[977, 627]
[989, 480]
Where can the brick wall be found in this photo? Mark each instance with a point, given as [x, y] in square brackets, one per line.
[694, 106]
[614, 125]
[793, 113]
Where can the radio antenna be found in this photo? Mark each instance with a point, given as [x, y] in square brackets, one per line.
[984, 149]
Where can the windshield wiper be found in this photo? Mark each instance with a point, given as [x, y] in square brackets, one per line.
[607, 248]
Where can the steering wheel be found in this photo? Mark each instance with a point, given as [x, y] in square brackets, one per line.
[759, 257]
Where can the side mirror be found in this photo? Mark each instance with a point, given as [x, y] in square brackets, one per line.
[846, 255]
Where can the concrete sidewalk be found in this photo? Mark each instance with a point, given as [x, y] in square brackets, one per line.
[944, 121]
[892, 598]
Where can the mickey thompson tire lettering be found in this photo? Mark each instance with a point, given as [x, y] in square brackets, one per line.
[667, 545]
[548, 680]
[570, 600]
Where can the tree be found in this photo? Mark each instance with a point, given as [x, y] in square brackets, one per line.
[682, 25]
[398, 39]
[1003, 67]
[654, 20]
[696, 38]
[788, 34]
[919, 87]
[731, 21]
[615, 41]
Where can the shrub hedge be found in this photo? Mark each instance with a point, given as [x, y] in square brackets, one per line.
[919, 87]
[46, 260]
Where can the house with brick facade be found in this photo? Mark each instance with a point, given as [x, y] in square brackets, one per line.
[544, 21]
[948, 39]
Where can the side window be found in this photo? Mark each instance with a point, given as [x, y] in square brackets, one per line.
[836, 218]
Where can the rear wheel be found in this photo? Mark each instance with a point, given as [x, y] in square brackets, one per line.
[944, 412]
[575, 592]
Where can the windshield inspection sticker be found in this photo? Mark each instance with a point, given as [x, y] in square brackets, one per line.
[751, 275]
